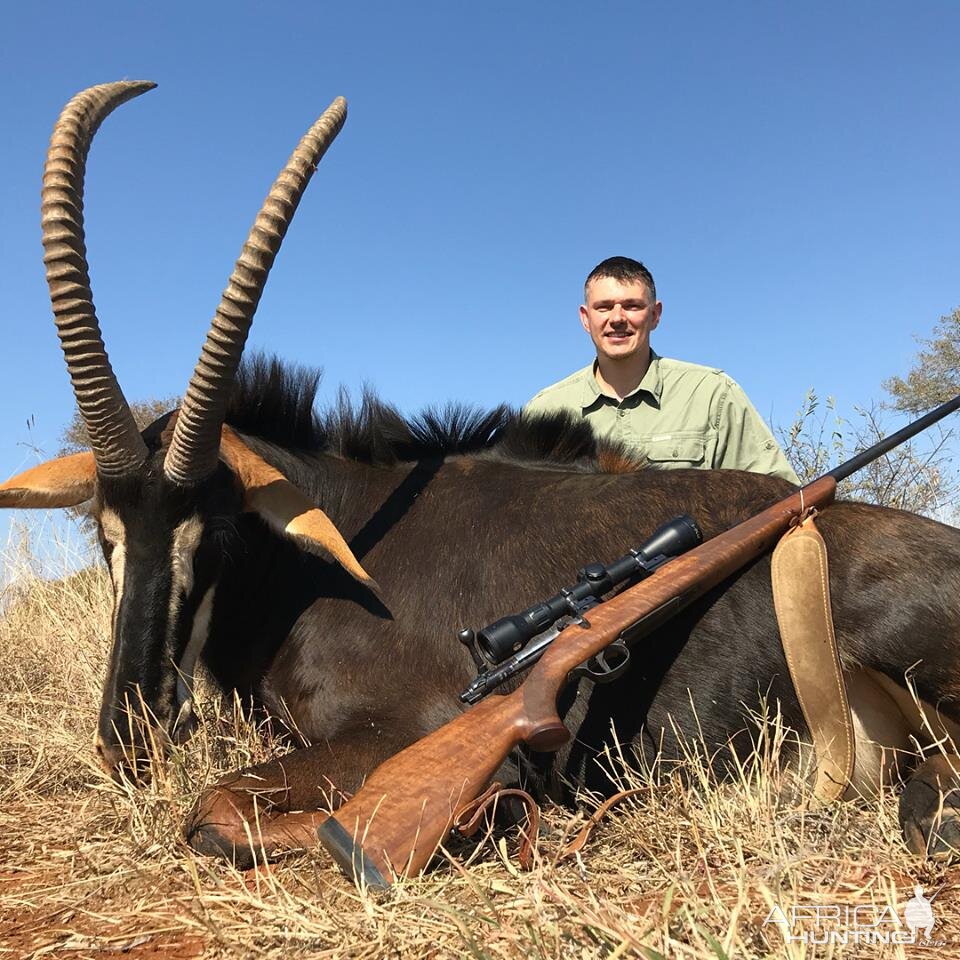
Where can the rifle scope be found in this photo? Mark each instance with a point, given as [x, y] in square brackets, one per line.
[510, 634]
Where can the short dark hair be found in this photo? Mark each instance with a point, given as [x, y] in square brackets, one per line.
[623, 269]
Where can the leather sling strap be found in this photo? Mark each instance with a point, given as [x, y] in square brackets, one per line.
[801, 597]
[471, 817]
[572, 848]
[469, 820]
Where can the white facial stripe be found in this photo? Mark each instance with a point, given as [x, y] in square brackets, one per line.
[116, 535]
[195, 645]
[112, 526]
[186, 539]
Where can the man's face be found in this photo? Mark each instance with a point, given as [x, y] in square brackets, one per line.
[619, 317]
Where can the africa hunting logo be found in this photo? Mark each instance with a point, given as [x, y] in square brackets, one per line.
[866, 923]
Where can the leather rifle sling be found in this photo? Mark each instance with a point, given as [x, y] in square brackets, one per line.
[801, 597]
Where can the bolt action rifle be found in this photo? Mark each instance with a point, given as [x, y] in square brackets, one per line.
[394, 824]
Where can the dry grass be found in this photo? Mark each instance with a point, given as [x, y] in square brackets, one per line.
[688, 869]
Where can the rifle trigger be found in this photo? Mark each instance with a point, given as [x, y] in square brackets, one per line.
[608, 665]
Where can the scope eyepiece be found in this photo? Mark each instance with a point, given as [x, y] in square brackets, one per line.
[502, 638]
[511, 634]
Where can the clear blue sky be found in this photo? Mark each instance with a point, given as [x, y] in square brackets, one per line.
[787, 170]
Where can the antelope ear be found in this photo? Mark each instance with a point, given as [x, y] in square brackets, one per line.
[286, 509]
[63, 482]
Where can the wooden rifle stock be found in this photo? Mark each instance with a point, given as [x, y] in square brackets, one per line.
[395, 823]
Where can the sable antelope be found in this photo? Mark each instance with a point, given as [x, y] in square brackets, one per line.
[244, 531]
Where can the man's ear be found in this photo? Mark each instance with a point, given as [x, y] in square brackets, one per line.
[286, 509]
[657, 310]
[584, 321]
[63, 482]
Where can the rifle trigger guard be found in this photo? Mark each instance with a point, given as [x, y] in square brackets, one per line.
[608, 665]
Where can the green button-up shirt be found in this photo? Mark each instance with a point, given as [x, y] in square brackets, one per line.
[681, 415]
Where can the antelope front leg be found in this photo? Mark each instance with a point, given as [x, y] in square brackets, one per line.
[277, 806]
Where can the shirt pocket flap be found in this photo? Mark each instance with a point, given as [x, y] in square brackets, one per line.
[678, 450]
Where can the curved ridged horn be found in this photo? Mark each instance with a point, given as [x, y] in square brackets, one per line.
[195, 446]
[114, 437]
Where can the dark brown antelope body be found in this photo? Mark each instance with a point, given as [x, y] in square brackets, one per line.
[321, 567]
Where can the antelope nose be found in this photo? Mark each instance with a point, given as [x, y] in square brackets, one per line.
[111, 756]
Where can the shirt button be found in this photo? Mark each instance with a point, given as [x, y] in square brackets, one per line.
[620, 413]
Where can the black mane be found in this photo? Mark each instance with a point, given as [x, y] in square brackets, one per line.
[275, 401]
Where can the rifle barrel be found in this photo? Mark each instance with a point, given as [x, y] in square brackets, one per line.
[894, 440]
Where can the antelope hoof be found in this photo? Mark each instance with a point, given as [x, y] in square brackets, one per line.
[216, 829]
[208, 841]
[930, 809]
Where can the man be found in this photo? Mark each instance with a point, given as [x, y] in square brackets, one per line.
[674, 414]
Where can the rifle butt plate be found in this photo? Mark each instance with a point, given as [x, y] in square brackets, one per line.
[350, 856]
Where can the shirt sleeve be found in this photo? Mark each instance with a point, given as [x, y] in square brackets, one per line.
[744, 440]
[535, 405]
[556, 399]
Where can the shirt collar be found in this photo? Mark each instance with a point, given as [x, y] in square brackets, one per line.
[651, 384]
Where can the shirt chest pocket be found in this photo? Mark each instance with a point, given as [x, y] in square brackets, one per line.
[676, 451]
